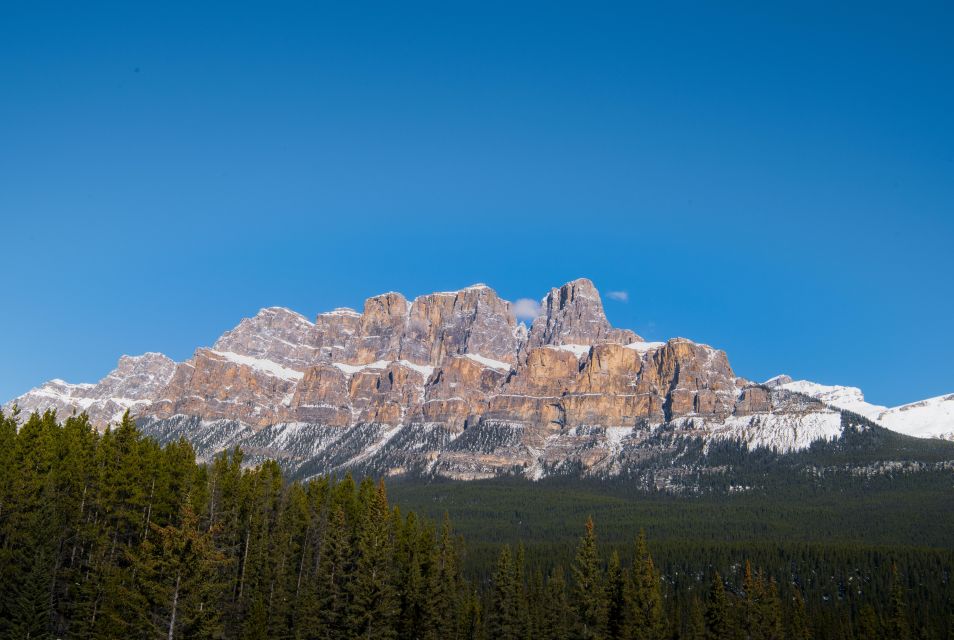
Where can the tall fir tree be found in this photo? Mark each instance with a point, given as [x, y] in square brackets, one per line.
[556, 620]
[647, 618]
[588, 589]
[717, 615]
[373, 607]
[897, 623]
[503, 619]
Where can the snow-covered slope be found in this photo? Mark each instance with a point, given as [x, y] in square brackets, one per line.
[931, 418]
[847, 398]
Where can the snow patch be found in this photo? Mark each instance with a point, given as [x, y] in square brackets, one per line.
[579, 350]
[644, 347]
[260, 364]
[488, 362]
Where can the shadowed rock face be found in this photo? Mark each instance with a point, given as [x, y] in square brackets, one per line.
[447, 383]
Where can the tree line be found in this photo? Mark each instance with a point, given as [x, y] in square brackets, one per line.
[110, 535]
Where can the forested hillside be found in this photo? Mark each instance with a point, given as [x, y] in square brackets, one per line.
[114, 536]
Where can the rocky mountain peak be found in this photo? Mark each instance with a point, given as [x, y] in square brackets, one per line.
[573, 314]
[274, 333]
[132, 385]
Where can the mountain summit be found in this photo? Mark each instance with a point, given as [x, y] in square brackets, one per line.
[451, 384]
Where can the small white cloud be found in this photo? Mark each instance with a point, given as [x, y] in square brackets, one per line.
[526, 309]
[622, 296]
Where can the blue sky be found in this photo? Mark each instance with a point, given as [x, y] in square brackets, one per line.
[777, 181]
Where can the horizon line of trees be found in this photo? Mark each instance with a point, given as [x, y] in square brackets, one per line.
[109, 535]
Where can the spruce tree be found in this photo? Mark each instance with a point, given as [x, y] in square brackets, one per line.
[717, 615]
[556, 620]
[868, 625]
[896, 624]
[647, 618]
[373, 599]
[618, 599]
[696, 621]
[503, 619]
[588, 589]
[799, 627]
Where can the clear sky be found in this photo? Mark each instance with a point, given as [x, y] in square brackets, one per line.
[777, 181]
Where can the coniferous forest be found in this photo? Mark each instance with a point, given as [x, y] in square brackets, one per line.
[110, 535]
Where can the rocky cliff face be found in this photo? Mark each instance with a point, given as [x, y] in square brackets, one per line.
[450, 384]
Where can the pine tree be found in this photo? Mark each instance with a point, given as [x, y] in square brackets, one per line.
[618, 598]
[588, 594]
[503, 620]
[718, 624]
[771, 614]
[647, 618]
[178, 574]
[897, 625]
[696, 621]
[373, 600]
[799, 628]
[556, 610]
[868, 626]
[328, 618]
[450, 584]
[753, 589]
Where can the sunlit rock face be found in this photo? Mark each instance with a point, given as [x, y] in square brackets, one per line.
[450, 384]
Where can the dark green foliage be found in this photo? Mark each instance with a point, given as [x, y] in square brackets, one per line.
[108, 536]
[718, 623]
[112, 536]
[589, 592]
[503, 620]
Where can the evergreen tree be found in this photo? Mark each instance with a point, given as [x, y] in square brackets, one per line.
[619, 594]
[696, 622]
[503, 621]
[556, 622]
[373, 600]
[647, 618]
[717, 615]
[868, 625]
[178, 574]
[588, 594]
[896, 624]
[799, 628]
[328, 621]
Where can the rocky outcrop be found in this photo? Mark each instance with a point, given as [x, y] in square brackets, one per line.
[573, 314]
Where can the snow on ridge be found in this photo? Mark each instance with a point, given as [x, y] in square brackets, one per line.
[847, 398]
[929, 418]
[644, 347]
[579, 350]
[284, 310]
[341, 311]
[488, 362]
[269, 367]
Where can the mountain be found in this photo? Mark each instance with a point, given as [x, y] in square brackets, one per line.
[450, 384]
[132, 385]
[931, 418]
